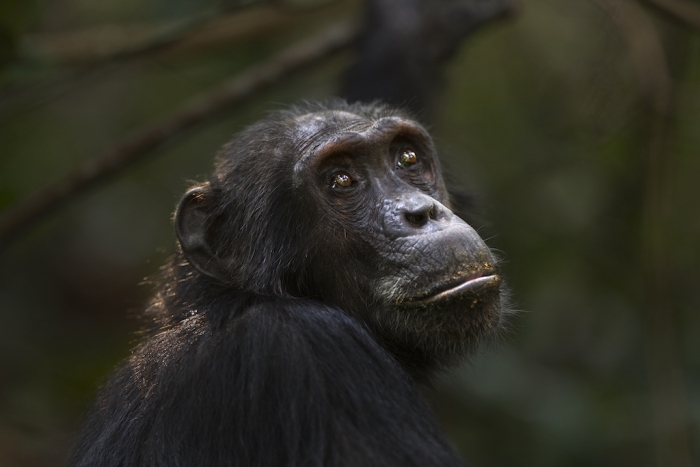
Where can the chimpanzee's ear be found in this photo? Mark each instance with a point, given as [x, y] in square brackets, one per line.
[192, 221]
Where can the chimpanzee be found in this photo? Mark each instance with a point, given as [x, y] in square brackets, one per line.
[320, 274]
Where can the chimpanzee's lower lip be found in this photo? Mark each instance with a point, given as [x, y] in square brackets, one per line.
[472, 286]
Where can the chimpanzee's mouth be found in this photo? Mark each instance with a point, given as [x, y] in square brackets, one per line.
[475, 285]
[472, 285]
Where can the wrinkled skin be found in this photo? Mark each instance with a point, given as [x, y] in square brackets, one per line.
[383, 245]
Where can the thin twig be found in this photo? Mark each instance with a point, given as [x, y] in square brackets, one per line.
[36, 207]
[89, 53]
[118, 42]
[682, 10]
[109, 42]
[207, 28]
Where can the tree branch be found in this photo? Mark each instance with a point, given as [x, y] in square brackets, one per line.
[644, 51]
[30, 211]
[117, 42]
[671, 426]
[108, 42]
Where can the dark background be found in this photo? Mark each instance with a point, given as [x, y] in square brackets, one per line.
[576, 122]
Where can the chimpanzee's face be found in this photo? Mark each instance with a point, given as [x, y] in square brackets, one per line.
[387, 246]
[351, 210]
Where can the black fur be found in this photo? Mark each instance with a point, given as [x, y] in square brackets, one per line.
[260, 381]
[270, 343]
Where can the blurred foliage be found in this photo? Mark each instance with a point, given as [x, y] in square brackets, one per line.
[15, 17]
[543, 116]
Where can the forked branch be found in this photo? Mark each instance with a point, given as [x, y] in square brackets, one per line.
[36, 207]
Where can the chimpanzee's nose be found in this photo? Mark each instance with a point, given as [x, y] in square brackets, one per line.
[415, 213]
[418, 214]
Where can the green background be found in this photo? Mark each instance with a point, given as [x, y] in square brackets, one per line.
[576, 123]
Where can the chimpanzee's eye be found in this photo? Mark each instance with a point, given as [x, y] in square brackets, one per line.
[341, 180]
[407, 158]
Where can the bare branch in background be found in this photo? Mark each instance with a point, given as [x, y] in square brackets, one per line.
[88, 53]
[405, 46]
[36, 207]
[645, 51]
[92, 52]
[668, 393]
[682, 10]
[209, 28]
[114, 42]
[108, 42]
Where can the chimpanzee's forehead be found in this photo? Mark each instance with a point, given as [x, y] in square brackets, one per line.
[314, 129]
[320, 124]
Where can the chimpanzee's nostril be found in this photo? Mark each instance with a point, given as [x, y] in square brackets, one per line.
[419, 219]
[418, 213]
